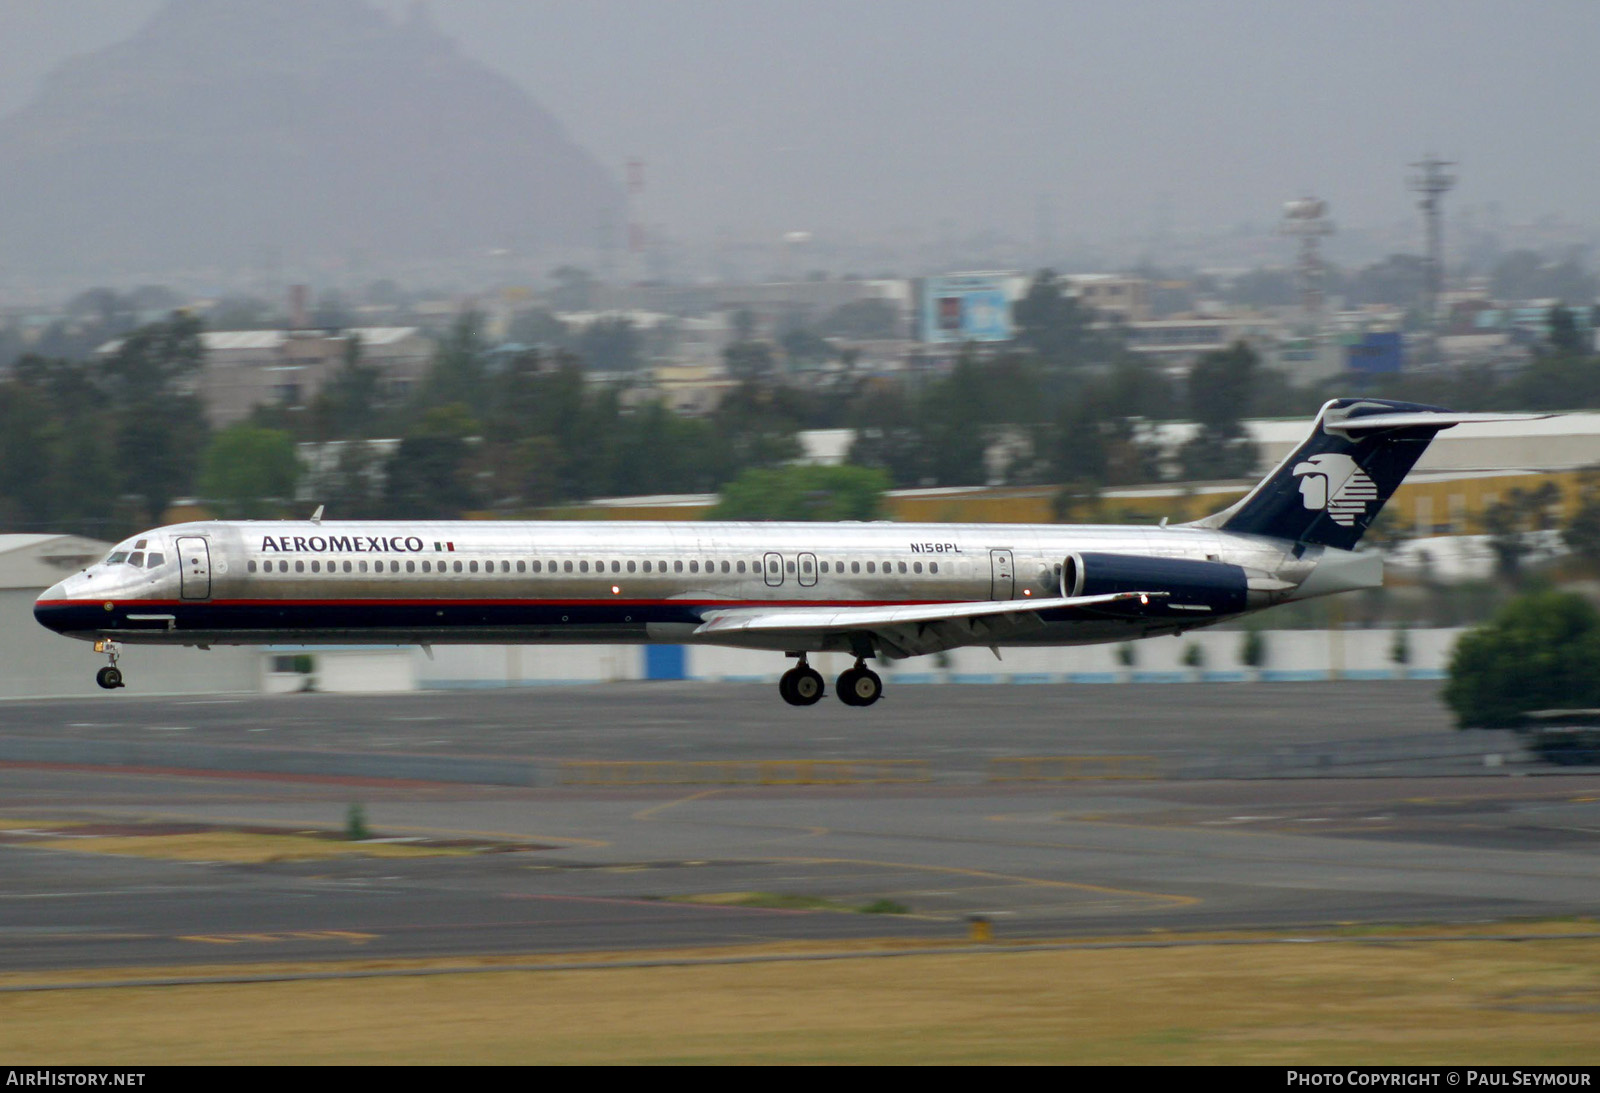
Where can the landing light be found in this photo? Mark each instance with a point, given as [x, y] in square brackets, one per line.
[1027, 591]
[615, 590]
[1144, 599]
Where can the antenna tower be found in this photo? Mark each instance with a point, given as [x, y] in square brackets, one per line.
[1432, 183]
[1307, 220]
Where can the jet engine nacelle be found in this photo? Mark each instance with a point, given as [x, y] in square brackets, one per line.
[1194, 589]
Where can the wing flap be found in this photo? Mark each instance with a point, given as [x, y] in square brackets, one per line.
[794, 619]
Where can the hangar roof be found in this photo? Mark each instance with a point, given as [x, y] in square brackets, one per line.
[39, 561]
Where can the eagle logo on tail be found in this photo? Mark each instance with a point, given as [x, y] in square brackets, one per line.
[1332, 482]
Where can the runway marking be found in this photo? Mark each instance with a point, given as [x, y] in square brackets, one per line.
[984, 874]
[253, 821]
[274, 938]
[649, 813]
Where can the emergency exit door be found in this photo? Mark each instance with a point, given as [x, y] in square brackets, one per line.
[1002, 575]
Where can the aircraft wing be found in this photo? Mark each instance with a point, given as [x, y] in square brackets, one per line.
[906, 631]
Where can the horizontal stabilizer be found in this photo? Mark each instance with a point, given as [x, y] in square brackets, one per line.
[1430, 419]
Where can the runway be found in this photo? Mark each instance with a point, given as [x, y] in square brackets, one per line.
[1278, 805]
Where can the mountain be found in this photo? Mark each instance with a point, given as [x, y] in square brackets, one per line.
[225, 131]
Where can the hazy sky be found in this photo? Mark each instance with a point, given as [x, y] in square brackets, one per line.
[761, 116]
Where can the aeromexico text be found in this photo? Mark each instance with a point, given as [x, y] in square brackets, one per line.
[347, 544]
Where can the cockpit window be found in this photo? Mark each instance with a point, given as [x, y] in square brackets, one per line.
[154, 560]
[136, 559]
[140, 545]
[117, 557]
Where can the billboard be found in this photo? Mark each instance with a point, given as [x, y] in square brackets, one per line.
[969, 307]
[1377, 351]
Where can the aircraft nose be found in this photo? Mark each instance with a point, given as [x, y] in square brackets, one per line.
[53, 611]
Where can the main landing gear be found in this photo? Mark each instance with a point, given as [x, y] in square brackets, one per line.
[858, 686]
[109, 677]
[801, 685]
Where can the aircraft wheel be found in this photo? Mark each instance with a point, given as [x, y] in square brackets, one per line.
[786, 687]
[859, 687]
[807, 687]
[109, 678]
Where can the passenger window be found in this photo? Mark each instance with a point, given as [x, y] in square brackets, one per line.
[583, 567]
[522, 567]
[348, 567]
[741, 566]
[789, 565]
[661, 566]
[377, 567]
[677, 567]
[933, 567]
[872, 567]
[299, 567]
[855, 567]
[316, 566]
[250, 567]
[362, 565]
[694, 567]
[632, 568]
[916, 567]
[902, 567]
[568, 566]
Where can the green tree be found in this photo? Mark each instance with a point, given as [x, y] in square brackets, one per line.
[430, 476]
[1565, 337]
[749, 360]
[1536, 653]
[351, 403]
[158, 419]
[1054, 326]
[459, 370]
[610, 345]
[250, 472]
[803, 493]
[1220, 388]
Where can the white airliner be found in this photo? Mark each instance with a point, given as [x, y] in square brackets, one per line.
[871, 589]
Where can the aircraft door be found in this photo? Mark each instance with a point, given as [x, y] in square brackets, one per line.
[808, 569]
[1003, 575]
[774, 569]
[194, 561]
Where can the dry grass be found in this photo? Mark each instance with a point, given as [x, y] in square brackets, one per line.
[1379, 1002]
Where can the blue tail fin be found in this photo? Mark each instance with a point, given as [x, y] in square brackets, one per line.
[1330, 489]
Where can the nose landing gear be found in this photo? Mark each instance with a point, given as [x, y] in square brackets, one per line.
[109, 677]
[801, 685]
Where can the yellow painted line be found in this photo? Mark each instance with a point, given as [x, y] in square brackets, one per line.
[277, 938]
[649, 813]
[1039, 882]
[278, 822]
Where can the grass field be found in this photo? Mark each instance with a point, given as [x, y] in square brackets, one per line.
[1363, 1000]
